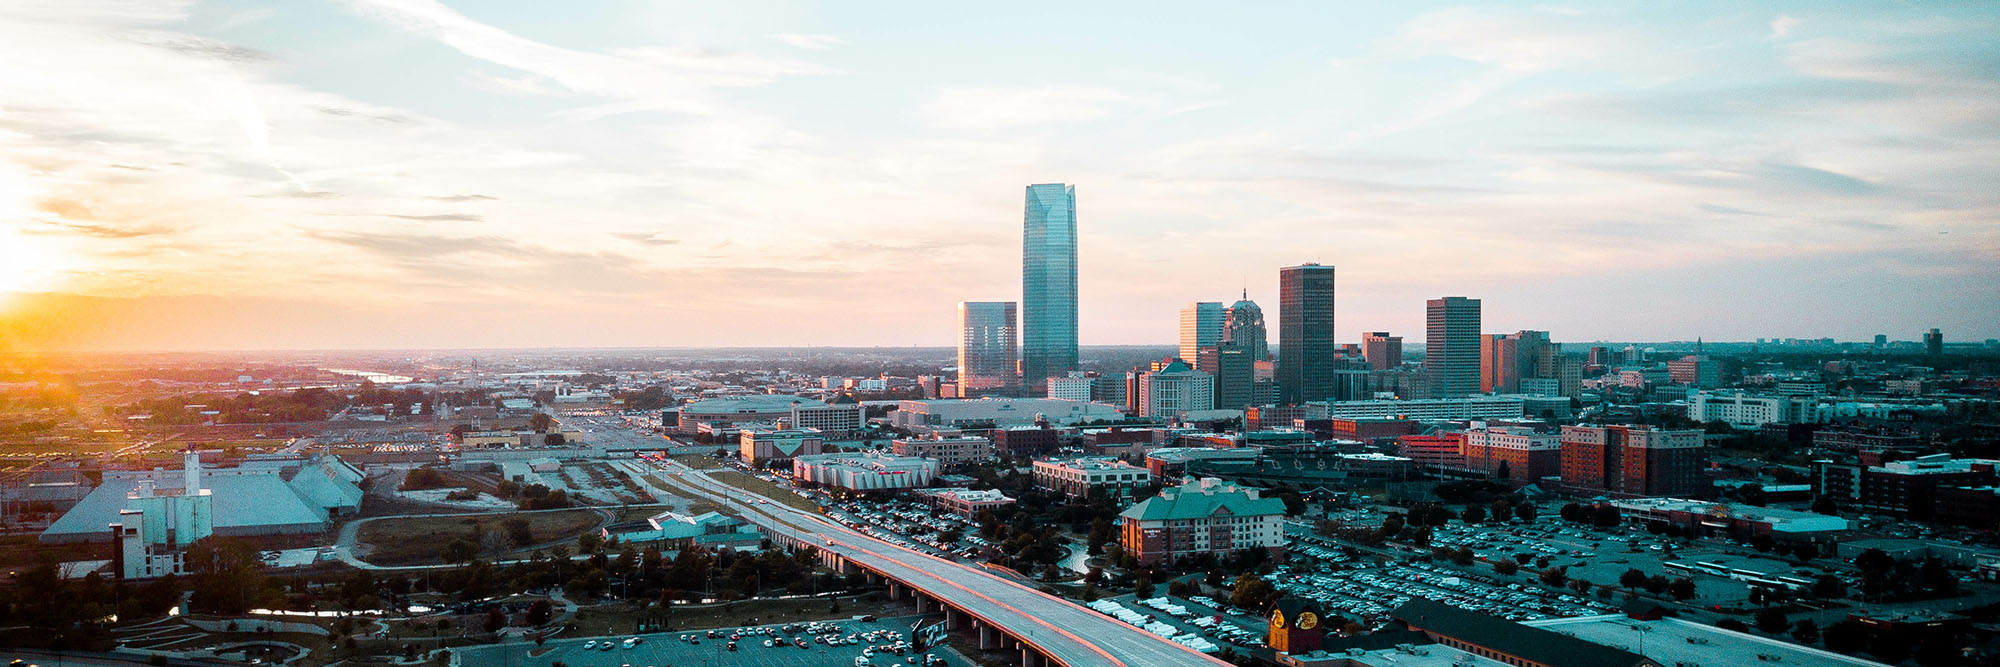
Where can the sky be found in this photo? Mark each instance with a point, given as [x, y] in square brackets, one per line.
[417, 173]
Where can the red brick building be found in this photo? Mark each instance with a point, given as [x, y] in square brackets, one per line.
[1632, 461]
[1430, 452]
[1523, 455]
[1025, 441]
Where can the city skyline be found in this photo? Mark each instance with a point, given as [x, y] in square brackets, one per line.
[393, 174]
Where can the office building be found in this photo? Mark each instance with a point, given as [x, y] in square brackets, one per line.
[1381, 350]
[1174, 390]
[1697, 370]
[1443, 450]
[1305, 333]
[1451, 345]
[1205, 516]
[1073, 387]
[1201, 326]
[1907, 488]
[1091, 477]
[865, 472]
[1881, 341]
[1933, 342]
[986, 361]
[1048, 285]
[1025, 440]
[1629, 460]
[837, 420]
[1243, 326]
[1506, 360]
[1741, 410]
[1235, 374]
[948, 452]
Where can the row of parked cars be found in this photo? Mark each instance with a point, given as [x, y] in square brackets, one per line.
[1368, 594]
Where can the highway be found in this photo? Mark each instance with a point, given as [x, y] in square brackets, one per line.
[1067, 633]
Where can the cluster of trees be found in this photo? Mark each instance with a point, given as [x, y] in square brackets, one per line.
[303, 405]
[1602, 515]
[75, 611]
[533, 496]
[1937, 648]
[1885, 578]
[1681, 588]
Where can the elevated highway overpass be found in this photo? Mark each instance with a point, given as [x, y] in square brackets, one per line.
[1045, 629]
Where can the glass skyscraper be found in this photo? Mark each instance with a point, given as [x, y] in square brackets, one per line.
[1201, 326]
[1048, 286]
[1305, 333]
[1451, 345]
[986, 348]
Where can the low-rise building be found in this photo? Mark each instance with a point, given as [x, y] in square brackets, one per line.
[1729, 519]
[1091, 477]
[1205, 516]
[673, 530]
[951, 452]
[1025, 440]
[1171, 462]
[1433, 409]
[759, 446]
[865, 472]
[997, 412]
[965, 502]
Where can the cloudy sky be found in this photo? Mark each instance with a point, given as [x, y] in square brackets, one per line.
[416, 173]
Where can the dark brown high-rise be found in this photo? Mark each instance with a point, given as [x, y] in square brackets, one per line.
[1305, 333]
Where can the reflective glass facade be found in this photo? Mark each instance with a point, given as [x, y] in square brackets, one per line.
[986, 351]
[1048, 286]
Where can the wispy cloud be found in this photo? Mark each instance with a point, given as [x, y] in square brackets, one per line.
[805, 41]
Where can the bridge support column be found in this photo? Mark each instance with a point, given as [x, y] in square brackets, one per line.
[953, 619]
[987, 638]
[895, 590]
[1029, 658]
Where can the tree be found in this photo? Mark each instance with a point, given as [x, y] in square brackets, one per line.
[1142, 586]
[539, 613]
[589, 543]
[1462, 556]
[1829, 587]
[541, 422]
[1762, 542]
[1632, 578]
[1846, 637]
[1682, 588]
[1732, 625]
[1392, 525]
[1604, 516]
[1252, 592]
[495, 620]
[519, 532]
[1473, 514]
[1580, 585]
[1574, 513]
[1772, 621]
[1506, 567]
[460, 549]
[1805, 632]
[1825, 505]
[1874, 561]
[1555, 576]
[1526, 512]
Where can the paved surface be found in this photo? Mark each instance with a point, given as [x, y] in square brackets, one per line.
[666, 649]
[1071, 634]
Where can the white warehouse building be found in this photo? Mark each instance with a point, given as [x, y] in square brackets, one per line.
[865, 472]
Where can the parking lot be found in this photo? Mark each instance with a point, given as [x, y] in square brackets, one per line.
[825, 644]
